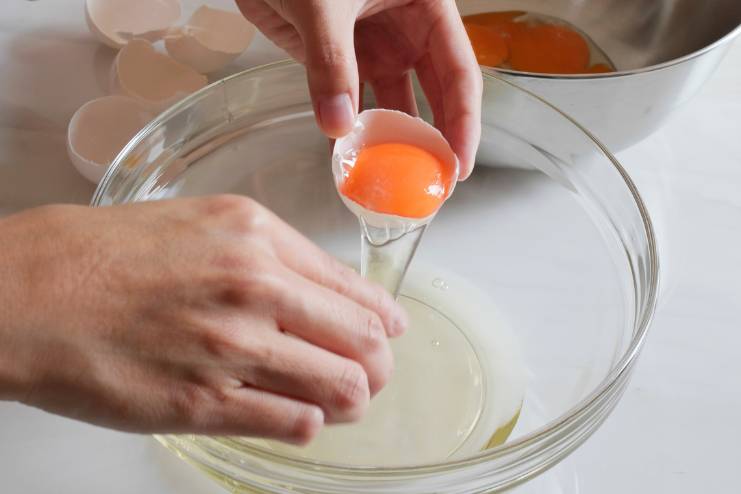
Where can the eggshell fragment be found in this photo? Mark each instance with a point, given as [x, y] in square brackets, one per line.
[380, 126]
[115, 22]
[211, 39]
[154, 79]
[100, 129]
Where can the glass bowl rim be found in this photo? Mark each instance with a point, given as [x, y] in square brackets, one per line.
[546, 431]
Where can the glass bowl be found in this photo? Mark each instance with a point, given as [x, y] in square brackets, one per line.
[549, 227]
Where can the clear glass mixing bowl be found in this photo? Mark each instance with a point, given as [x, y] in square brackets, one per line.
[549, 226]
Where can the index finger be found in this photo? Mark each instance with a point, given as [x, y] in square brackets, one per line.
[301, 255]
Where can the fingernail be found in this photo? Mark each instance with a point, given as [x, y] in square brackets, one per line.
[466, 167]
[336, 114]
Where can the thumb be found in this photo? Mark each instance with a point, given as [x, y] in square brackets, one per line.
[327, 33]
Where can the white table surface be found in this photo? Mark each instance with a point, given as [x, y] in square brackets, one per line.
[678, 428]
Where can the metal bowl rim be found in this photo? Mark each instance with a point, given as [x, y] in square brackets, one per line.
[623, 73]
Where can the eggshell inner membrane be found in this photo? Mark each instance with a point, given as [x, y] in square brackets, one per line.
[114, 22]
[151, 77]
[211, 39]
[221, 30]
[378, 126]
[100, 129]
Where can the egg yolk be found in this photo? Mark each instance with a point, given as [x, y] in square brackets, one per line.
[499, 39]
[488, 44]
[491, 35]
[493, 19]
[549, 49]
[398, 179]
[599, 68]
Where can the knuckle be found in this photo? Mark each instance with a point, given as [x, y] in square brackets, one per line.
[189, 403]
[333, 54]
[376, 354]
[225, 203]
[265, 357]
[235, 260]
[256, 283]
[337, 275]
[381, 373]
[373, 335]
[384, 304]
[251, 220]
[244, 214]
[220, 343]
[351, 392]
[329, 54]
[341, 276]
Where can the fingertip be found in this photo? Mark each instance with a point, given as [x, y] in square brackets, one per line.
[465, 142]
[465, 171]
[308, 423]
[462, 146]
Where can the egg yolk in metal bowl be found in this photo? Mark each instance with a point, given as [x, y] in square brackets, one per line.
[532, 43]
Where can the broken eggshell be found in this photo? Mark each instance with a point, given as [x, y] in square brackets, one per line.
[153, 79]
[100, 129]
[210, 40]
[115, 22]
[379, 126]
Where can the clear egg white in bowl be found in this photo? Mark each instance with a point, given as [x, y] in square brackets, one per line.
[530, 294]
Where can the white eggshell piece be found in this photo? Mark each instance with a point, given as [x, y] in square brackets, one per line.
[154, 79]
[380, 126]
[115, 22]
[211, 39]
[100, 129]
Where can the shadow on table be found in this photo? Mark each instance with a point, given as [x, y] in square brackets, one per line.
[46, 77]
[182, 477]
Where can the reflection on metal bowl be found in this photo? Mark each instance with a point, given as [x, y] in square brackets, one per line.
[665, 50]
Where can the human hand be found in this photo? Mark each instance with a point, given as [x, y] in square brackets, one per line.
[205, 315]
[345, 42]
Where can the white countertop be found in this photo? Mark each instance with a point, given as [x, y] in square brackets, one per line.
[678, 426]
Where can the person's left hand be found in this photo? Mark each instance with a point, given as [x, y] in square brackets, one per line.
[345, 42]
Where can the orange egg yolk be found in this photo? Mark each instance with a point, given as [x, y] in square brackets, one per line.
[398, 179]
[500, 40]
[599, 68]
[489, 45]
[549, 49]
[491, 35]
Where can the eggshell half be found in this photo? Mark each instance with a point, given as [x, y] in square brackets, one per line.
[379, 126]
[100, 129]
[115, 22]
[211, 39]
[154, 79]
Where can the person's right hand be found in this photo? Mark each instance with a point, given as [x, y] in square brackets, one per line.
[205, 315]
[379, 42]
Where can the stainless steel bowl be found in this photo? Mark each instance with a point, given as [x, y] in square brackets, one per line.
[664, 50]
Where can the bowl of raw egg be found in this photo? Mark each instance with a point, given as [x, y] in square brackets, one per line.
[530, 286]
[619, 67]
